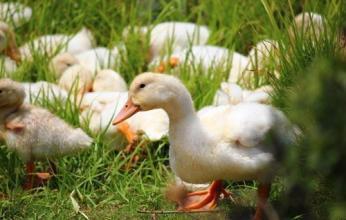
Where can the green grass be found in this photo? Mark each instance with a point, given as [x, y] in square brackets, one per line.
[101, 187]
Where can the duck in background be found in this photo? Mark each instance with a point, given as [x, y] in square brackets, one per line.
[170, 36]
[263, 60]
[34, 133]
[49, 45]
[14, 13]
[307, 24]
[76, 79]
[232, 94]
[206, 57]
[250, 150]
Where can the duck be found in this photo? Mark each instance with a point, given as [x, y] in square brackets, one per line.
[309, 24]
[8, 45]
[76, 79]
[262, 56]
[34, 133]
[15, 13]
[167, 35]
[49, 45]
[232, 94]
[199, 155]
[107, 80]
[44, 91]
[206, 57]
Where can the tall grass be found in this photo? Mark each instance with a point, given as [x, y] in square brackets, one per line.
[102, 188]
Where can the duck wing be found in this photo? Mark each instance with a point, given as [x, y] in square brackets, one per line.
[246, 124]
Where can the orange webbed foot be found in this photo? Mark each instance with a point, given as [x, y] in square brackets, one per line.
[129, 134]
[205, 199]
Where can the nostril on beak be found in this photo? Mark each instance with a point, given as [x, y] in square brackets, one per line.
[126, 106]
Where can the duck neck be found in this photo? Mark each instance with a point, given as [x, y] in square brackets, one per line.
[184, 125]
[5, 112]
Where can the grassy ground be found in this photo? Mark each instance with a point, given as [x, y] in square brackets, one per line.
[95, 180]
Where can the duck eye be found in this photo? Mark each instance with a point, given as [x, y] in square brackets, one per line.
[0, 91]
[142, 85]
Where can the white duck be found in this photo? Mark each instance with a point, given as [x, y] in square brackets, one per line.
[172, 35]
[14, 13]
[197, 155]
[232, 94]
[308, 24]
[49, 45]
[33, 132]
[207, 57]
[262, 58]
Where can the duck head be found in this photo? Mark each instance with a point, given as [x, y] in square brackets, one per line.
[153, 90]
[62, 62]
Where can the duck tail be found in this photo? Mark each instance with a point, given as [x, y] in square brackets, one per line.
[77, 141]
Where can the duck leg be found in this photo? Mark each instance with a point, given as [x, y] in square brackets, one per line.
[131, 138]
[129, 134]
[205, 199]
[29, 178]
[33, 179]
[263, 195]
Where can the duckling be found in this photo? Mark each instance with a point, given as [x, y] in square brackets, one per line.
[44, 91]
[61, 62]
[250, 150]
[15, 13]
[107, 80]
[33, 132]
[231, 93]
[76, 77]
[8, 42]
[48, 45]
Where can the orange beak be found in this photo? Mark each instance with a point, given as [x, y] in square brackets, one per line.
[127, 111]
